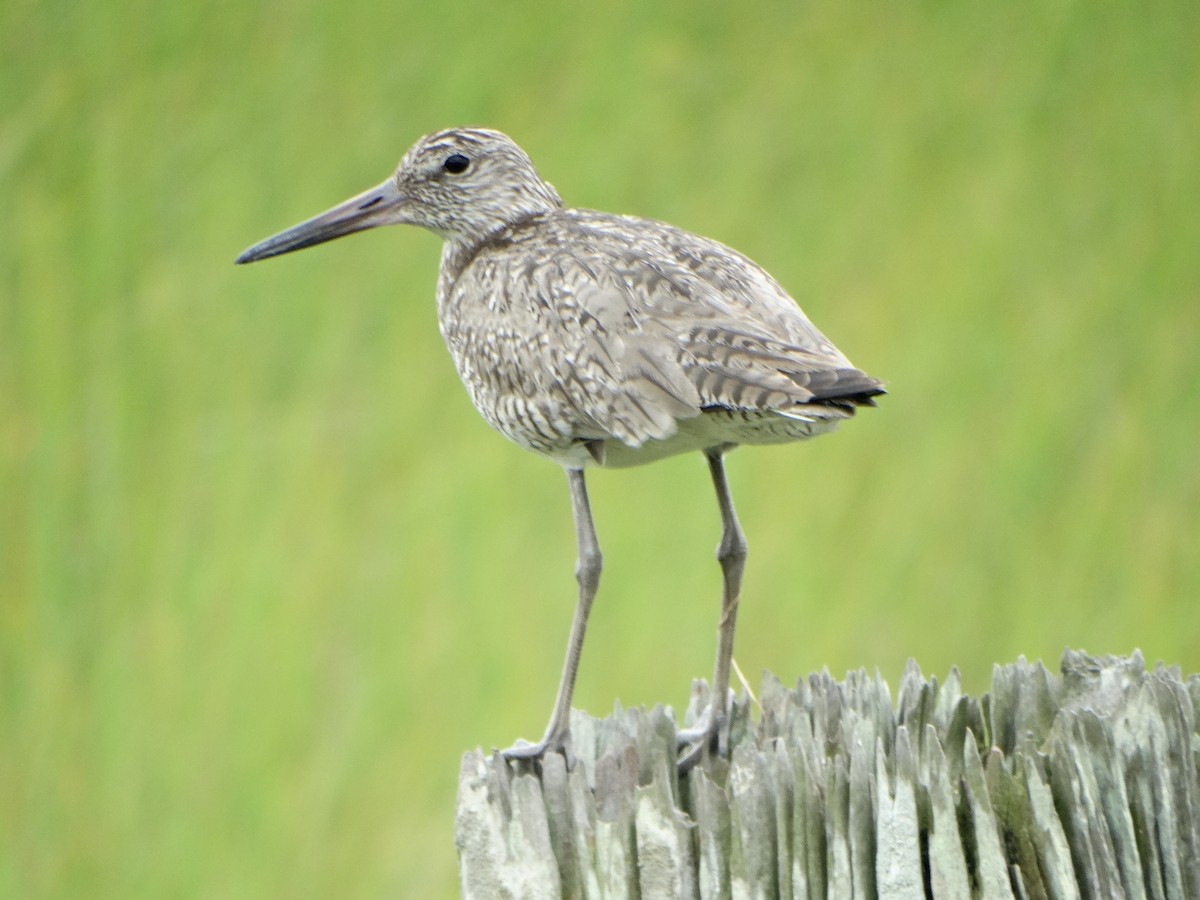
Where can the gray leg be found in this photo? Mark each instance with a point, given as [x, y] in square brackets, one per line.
[587, 573]
[731, 553]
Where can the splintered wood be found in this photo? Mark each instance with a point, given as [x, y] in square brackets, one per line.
[1082, 784]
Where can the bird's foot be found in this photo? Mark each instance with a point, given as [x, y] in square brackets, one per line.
[709, 735]
[522, 750]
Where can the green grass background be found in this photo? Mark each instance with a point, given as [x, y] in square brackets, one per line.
[264, 574]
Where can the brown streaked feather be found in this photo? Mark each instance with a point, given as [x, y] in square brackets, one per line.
[613, 327]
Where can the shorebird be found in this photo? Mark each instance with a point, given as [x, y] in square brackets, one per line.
[595, 339]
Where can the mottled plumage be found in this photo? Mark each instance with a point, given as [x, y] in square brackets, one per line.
[625, 331]
[593, 338]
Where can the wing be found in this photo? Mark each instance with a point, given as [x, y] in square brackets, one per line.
[667, 324]
[616, 366]
[583, 326]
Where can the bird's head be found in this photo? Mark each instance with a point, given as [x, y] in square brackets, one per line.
[463, 184]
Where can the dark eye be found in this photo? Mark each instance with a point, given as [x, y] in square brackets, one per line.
[456, 164]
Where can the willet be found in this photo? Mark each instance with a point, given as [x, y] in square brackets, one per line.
[599, 339]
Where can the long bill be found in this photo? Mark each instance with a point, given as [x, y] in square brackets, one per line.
[381, 205]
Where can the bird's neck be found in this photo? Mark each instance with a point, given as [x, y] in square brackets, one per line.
[460, 249]
[490, 217]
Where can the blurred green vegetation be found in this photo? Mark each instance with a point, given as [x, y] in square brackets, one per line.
[263, 572]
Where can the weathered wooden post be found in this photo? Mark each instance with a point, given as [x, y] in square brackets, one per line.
[1076, 785]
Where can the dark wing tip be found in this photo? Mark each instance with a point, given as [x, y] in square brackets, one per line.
[843, 386]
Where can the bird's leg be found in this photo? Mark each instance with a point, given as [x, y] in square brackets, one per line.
[587, 573]
[731, 553]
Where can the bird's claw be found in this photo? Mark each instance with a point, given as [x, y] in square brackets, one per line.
[523, 751]
[710, 734]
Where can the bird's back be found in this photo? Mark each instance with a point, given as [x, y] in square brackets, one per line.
[587, 336]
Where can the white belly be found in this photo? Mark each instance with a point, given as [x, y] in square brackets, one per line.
[709, 429]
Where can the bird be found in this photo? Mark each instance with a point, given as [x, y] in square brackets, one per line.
[602, 340]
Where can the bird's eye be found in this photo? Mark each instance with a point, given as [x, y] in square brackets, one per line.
[456, 164]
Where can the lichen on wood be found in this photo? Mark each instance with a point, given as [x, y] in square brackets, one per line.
[1079, 784]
